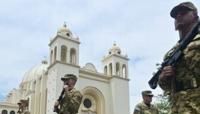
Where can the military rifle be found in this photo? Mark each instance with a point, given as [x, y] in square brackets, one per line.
[56, 109]
[176, 54]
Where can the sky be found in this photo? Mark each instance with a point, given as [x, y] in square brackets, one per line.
[142, 29]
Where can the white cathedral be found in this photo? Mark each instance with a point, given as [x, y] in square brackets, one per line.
[103, 93]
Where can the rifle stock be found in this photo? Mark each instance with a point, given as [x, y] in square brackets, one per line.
[176, 55]
[56, 109]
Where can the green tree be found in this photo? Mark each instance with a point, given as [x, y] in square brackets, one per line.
[162, 104]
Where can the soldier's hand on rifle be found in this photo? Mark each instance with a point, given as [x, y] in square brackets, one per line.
[66, 87]
[167, 72]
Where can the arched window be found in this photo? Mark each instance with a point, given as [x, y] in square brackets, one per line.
[51, 57]
[73, 56]
[55, 53]
[4, 112]
[124, 72]
[12, 112]
[110, 69]
[117, 69]
[105, 70]
[63, 53]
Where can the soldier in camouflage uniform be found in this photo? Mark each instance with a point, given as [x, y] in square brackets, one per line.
[23, 107]
[72, 98]
[146, 107]
[20, 107]
[184, 90]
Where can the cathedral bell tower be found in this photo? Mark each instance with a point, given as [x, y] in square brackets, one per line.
[116, 64]
[64, 59]
[116, 68]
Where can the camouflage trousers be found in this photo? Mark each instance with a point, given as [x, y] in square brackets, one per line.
[186, 102]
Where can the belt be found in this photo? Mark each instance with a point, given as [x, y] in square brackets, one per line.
[187, 84]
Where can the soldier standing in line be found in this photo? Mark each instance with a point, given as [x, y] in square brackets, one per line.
[71, 98]
[146, 107]
[20, 108]
[23, 107]
[182, 81]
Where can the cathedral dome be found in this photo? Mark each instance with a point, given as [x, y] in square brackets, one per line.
[35, 72]
[115, 49]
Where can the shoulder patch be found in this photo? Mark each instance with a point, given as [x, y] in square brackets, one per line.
[137, 108]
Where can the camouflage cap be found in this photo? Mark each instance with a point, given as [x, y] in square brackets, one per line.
[147, 93]
[182, 6]
[22, 101]
[69, 76]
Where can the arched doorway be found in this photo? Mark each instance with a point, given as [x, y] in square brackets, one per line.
[93, 101]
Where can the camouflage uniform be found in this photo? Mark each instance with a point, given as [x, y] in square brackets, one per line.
[142, 108]
[72, 99]
[71, 102]
[186, 97]
[185, 89]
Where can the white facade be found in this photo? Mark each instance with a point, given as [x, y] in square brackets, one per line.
[8, 108]
[102, 92]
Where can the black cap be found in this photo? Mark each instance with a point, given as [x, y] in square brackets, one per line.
[182, 6]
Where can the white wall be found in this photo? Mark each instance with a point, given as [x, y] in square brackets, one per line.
[103, 87]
